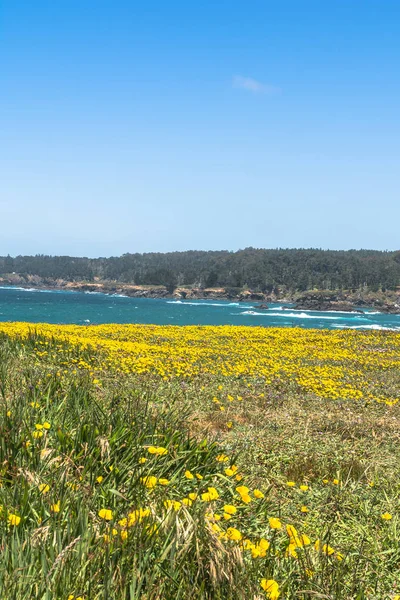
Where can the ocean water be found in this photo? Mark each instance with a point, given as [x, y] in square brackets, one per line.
[39, 306]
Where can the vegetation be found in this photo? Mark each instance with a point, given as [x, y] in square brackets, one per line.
[144, 462]
[257, 269]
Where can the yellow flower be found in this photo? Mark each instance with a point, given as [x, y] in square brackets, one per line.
[187, 501]
[14, 519]
[99, 479]
[386, 516]
[192, 496]
[271, 587]
[229, 424]
[291, 550]
[264, 544]
[163, 481]
[336, 481]
[248, 545]
[230, 509]
[258, 494]
[211, 494]
[189, 475]
[304, 509]
[233, 534]
[309, 572]
[304, 488]
[38, 426]
[105, 514]
[55, 508]
[275, 523]
[37, 434]
[159, 450]
[328, 550]
[290, 484]
[142, 460]
[260, 550]
[222, 458]
[46, 425]
[257, 552]
[150, 481]
[291, 531]
[124, 534]
[172, 504]
[246, 498]
[44, 488]
[199, 476]
[339, 556]
[215, 528]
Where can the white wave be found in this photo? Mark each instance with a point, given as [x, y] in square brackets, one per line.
[96, 293]
[23, 289]
[348, 312]
[199, 303]
[373, 326]
[340, 312]
[285, 314]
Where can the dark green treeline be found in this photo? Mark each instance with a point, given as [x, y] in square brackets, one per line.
[257, 269]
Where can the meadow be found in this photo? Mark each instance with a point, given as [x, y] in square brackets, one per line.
[149, 462]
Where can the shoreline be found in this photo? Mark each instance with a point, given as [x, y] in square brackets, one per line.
[314, 300]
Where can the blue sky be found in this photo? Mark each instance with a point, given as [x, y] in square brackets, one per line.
[157, 126]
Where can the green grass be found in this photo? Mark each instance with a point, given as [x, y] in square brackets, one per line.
[104, 430]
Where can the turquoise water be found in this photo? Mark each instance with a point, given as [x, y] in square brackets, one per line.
[35, 306]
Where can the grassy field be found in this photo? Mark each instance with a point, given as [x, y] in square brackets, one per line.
[158, 463]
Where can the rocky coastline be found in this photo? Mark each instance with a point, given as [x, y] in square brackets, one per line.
[315, 300]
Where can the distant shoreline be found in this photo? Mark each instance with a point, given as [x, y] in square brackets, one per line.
[313, 300]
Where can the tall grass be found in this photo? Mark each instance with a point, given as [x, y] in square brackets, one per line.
[99, 477]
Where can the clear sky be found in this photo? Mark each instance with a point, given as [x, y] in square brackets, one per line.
[130, 126]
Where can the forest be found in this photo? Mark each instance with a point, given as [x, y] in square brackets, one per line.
[257, 269]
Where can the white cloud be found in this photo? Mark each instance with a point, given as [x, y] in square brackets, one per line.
[254, 86]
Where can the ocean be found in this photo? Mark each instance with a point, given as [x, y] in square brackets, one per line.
[43, 306]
